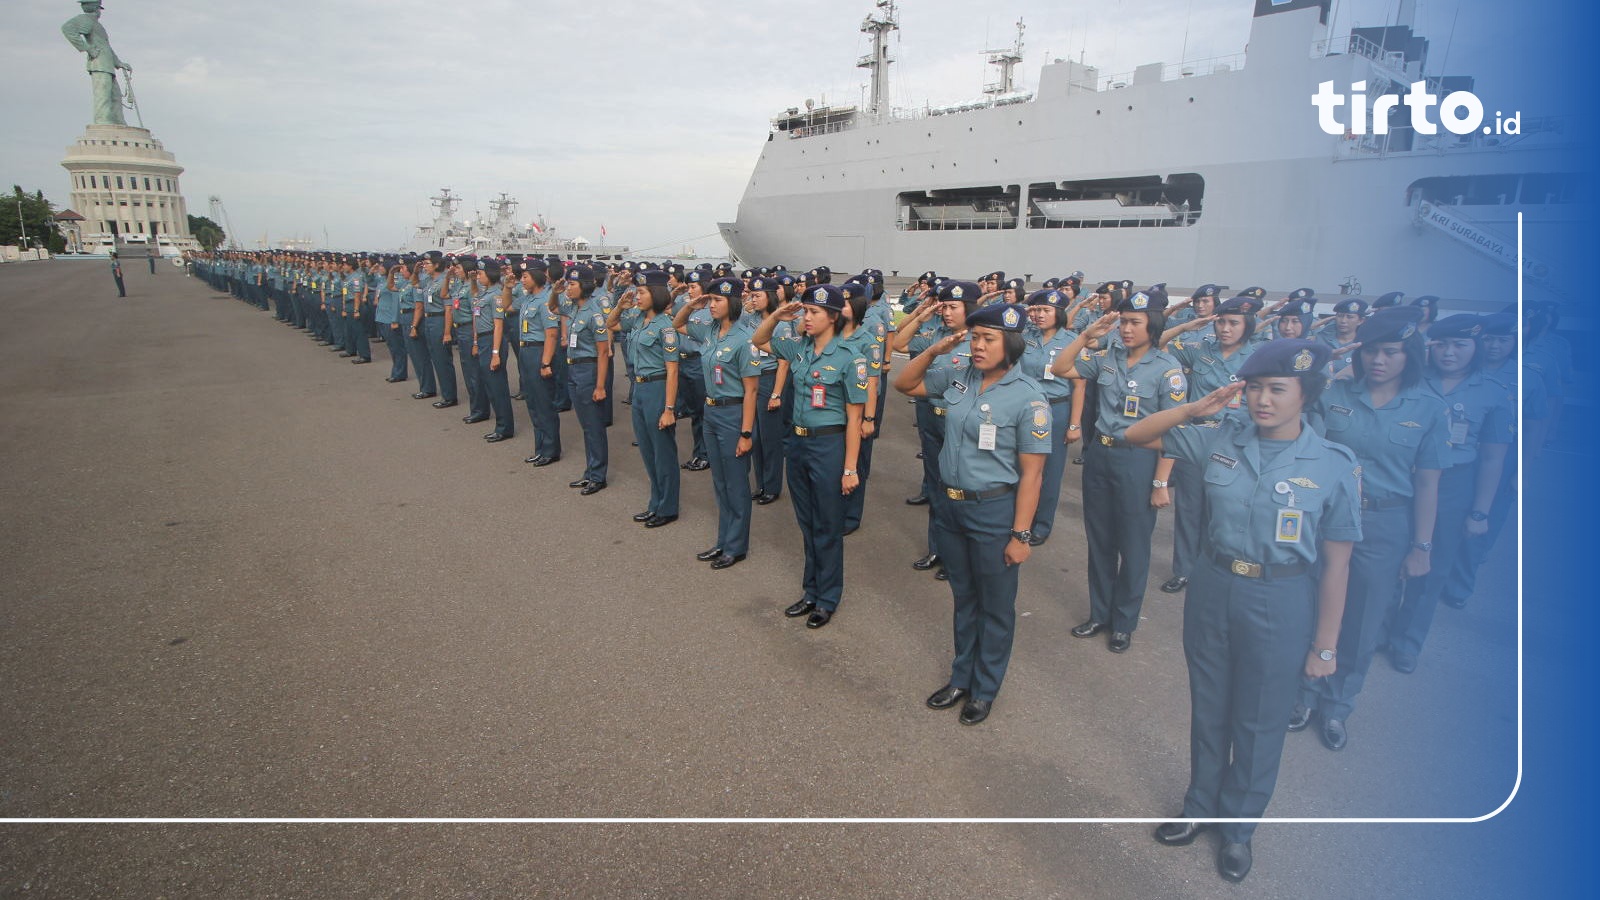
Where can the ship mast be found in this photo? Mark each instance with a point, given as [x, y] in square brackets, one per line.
[1007, 61]
[879, 24]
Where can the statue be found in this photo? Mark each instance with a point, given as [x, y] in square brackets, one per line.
[87, 34]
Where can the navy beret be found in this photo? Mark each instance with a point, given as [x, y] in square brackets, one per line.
[1394, 323]
[1427, 301]
[1238, 306]
[1256, 292]
[535, 264]
[698, 276]
[1204, 290]
[960, 291]
[1285, 356]
[1344, 307]
[1296, 308]
[1302, 294]
[1390, 299]
[927, 276]
[726, 287]
[1106, 287]
[651, 277]
[994, 276]
[1015, 284]
[1501, 324]
[763, 283]
[1147, 301]
[1049, 283]
[826, 296]
[855, 287]
[1461, 325]
[1004, 316]
[1047, 297]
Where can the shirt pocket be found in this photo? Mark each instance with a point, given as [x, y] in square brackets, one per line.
[1405, 436]
[1336, 422]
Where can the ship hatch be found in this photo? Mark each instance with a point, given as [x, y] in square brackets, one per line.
[1142, 201]
[959, 209]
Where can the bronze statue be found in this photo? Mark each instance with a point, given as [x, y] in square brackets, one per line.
[87, 34]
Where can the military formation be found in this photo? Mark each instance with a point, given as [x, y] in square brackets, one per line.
[1334, 479]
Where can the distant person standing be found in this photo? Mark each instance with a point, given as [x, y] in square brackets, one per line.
[116, 274]
[154, 254]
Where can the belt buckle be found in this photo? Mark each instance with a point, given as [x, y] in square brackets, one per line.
[1246, 569]
[802, 431]
[955, 493]
[1107, 440]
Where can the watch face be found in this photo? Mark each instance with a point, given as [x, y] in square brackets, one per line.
[1325, 654]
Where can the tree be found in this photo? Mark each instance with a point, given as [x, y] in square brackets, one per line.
[208, 233]
[37, 220]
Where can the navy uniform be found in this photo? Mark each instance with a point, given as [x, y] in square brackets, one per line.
[691, 384]
[928, 431]
[488, 320]
[1330, 333]
[1251, 612]
[1118, 477]
[435, 313]
[931, 429]
[1208, 366]
[1407, 435]
[825, 383]
[1206, 293]
[386, 312]
[458, 297]
[767, 461]
[731, 373]
[867, 337]
[411, 332]
[588, 341]
[538, 342]
[1481, 411]
[652, 344]
[1040, 354]
[987, 431]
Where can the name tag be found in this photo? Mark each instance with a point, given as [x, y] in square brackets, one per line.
[1130, 406]
[1289, 526]
[572, 340]
[1228, 461]
[716, 374]
[987, 432]
[1049, 374]
[819, 396]
[1458, 431]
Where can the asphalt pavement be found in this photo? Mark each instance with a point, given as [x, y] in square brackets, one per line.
[244, 578]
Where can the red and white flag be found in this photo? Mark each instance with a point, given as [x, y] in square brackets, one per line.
[602, 232]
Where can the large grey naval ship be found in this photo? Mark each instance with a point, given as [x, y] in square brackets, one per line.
[1209, 171]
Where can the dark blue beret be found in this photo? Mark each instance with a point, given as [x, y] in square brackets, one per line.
[1427, 301]
[1296, 308]
[1388, 325]
[1004, 316]
[1152, 300]
[1048, 297]
[698, 276]
[855, 287]
[732, 288]
[1256, 292]
[1049, 283]
[1390, 299]
[1462, 325]
[1302, 294]
[960, 291]
[1238, 306]
[1359, 307]
[651, 277]
[1204, 290]
[994, 276]
[1285, 356]
[1502, 324]
[826, 296]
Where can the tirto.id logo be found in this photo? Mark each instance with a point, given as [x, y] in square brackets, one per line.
[1461, 112]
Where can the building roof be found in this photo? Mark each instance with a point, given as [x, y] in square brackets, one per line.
[67, 215]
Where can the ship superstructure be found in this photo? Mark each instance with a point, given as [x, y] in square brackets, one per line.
[500, 233]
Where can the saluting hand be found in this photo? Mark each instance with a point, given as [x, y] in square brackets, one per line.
[1102, 326]
[1347, 348]
[788, 311]
[948, 342]
[1215, 402]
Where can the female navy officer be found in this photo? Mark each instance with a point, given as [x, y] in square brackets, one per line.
[1284, 503]
[1397, 429]
[1482, 426]
[1046, 338]
[489, 304]
[653, 344]
[588, 362]
[830, 388]
[767, 293]
[539, 340]
[997, 438]
[1123, 485]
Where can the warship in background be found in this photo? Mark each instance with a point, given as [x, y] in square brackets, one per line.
[500, 234]
[1211, 171]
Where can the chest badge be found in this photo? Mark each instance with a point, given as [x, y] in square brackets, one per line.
[1303, 482]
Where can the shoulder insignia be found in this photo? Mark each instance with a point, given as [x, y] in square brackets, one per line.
[1358, 472]
[1041, 419]
[1303, 482]
[861, 372]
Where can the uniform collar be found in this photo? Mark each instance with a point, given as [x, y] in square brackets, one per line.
[1248, 439]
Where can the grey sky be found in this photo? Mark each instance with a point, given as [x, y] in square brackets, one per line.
[642, 117]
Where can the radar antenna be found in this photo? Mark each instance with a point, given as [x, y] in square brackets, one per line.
[1006, 60]
[880, 24]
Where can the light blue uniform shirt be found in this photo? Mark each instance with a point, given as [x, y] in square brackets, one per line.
[823, 383]
[1125, 394]
[1014, 405]
[1480, 410]
[432, 303]
[726, 360]
[651, 345]
[1319, 477]
[1037, 356]
[460, 294]
[486, 309]
[586, 328]
[1410, 433]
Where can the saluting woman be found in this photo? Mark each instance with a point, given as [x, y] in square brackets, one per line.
[997, 438]
[1046, 338]
[767, 293]
[1267, 597]
[653, 345]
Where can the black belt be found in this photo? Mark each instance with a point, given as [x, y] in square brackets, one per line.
[1384, 502]
[818, 432]
[1056, 400]
[1246, 569]
[958, 494]
[579, 362]
[687, 356]
[646, 379]
[429, 315]
[530, 343]
[1107, 440]
[729, 401]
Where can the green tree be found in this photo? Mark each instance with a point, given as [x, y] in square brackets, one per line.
[36, 220]
[208, 233]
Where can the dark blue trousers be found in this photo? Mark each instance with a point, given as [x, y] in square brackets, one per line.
[1374, 575]
[477, 391]
[1188, 519]
[417, 351]
[1408, 628]
[692, 402]
[770, 428]
[930, 435]
[1055, 466]
[439, 352]
[658, 448]
[971, 537]
[1245, 641]
[539, 393]
[561, 382]
[1116, 481]
[356, 336]
[495, 384]
[596, 454]
[816, 467]
[730, 477]
[399, 361]
[855, 505]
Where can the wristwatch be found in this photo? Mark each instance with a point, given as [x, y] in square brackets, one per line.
[850, 471]
[745, 434]
[1074, 428]
[1424, 546]
[1024, 536]
[869, 418]
[1158, 484]
[1326, 655]
[1477, 516]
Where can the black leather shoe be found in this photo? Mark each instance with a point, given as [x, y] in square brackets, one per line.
[921, 455]
[516, 396]
[649, 514]
[757, 496]
[657, 521]
[1178, 834]
[1233, 862]
[799, 608]
[1077, 460]
[443, 404]
[1455, 602]
[706, 555]
[1174, 584]
[595, 487]
[1333, 735]
[727, 562]
[1299, 718]
[1120, 642]
[975, 711]
[818, 618]
[345, 353]
[542, 460]
[580, 483]
[1404, 663]
[918, 500]
[1088, 629]
[473, 420]
[926, 562]
[495, 437]
[766, 499]
[941, 575]
[946, 697]
[393, 380]
[851, 530]
[360, 361]
[424, 395]
[699, 464]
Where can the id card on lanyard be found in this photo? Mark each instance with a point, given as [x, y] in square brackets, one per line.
[716, 375]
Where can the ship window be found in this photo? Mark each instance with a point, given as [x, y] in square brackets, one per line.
[1496, 190]
[959, 209]
[1143, 201]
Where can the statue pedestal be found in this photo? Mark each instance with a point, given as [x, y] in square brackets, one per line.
[125, 185]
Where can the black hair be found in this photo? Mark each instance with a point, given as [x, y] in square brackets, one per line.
[1249, 324]
[858, 308]
[1014, 345]
[735, 307]
[1416, 359]
[835, 319]
[492, 274]
[660, 296]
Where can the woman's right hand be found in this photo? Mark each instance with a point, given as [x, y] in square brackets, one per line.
[1215, 402]
[1102, 326]
[948, 342]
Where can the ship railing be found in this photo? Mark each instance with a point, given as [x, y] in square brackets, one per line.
[1371, 146]
[990, 223]
[1194, 68]
[1391, 63]
[826, 128]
